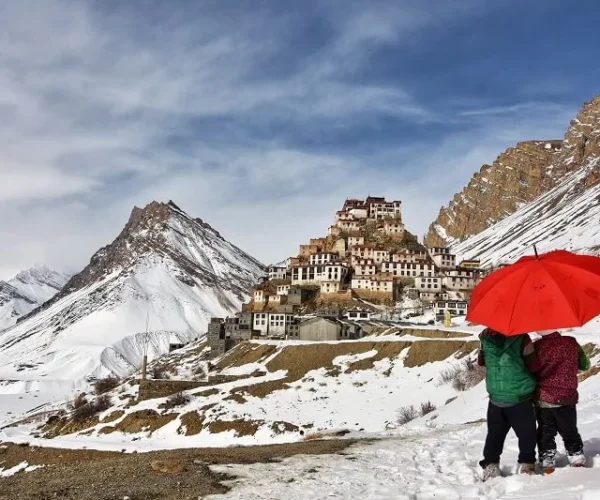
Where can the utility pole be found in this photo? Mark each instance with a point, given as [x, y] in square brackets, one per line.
[145, 344]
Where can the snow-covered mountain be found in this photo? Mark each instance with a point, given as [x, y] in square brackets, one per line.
[27, 291]
[166, 273]
[567, 216]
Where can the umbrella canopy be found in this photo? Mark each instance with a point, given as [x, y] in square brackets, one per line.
[554, 290]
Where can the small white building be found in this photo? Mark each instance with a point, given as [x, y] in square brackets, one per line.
[409, 257]
[349, 225]
[303, 275]
[356, 315]
[459, 282]
[377, 283]
[408, 270]
[277, 271]
[383, 284]
[428, 284]
[322, 258]
[275, 299]
[454, 307]
[361, 282]
[380, 256]
[261, 323]
[428, 296]
[393, 228]
[444, 260]
[260, 295]
[283, 289]
[462, 273]
[359, 213]
[365, 267]
[354, 241]
[438, 251]
[277, 324]
[330, 286]
[379, 208]
[365, 252]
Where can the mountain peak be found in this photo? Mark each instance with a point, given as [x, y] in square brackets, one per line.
[26, 291]
[159, 229]
[165, 273]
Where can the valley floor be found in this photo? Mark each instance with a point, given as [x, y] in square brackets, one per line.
[33, 473]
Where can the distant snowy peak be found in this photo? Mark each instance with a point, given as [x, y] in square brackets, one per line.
[26, 291]
[39, 283]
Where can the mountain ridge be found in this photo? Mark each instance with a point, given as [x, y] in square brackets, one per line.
[518, 176]
[27, 291]
[164, 267]
[566, 216]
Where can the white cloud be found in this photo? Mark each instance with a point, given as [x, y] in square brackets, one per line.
[101, 110]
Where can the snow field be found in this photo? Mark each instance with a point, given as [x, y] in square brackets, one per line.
[433, 458]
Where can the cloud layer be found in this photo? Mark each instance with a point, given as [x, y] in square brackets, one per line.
[258, 118]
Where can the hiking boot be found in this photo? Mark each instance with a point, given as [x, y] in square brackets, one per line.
[577, 460]
[547, 463]
[490, 471]
[527, 469]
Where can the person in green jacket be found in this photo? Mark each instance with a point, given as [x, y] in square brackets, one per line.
[510, 363]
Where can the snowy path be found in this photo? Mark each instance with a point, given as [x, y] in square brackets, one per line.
[441, 465]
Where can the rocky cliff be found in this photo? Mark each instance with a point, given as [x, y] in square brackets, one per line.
[518, 176]
[564, 217]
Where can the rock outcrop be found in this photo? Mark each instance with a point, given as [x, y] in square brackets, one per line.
[565, 217]
[518, 176]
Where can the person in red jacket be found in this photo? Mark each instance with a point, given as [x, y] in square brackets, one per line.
[556, 395]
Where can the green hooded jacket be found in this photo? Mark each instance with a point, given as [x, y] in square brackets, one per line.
[507, 378]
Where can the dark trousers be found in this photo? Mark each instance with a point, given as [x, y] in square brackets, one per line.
[520, 418]
[561, 420]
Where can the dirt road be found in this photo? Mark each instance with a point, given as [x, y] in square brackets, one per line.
[165, 475]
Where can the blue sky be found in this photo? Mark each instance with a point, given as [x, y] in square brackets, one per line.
[261, 117]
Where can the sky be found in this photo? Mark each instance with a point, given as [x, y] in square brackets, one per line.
[262, 117]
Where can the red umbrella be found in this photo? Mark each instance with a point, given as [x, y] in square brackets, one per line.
[557, 289]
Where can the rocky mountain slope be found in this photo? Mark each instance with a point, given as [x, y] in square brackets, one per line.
[517, 177]
[567, 216]
[27, 291]
[166, 273]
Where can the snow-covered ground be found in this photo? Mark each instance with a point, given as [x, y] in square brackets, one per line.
[435, 457]
[361, 400]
